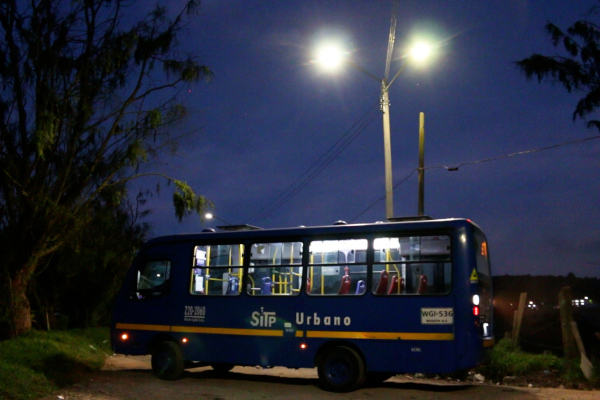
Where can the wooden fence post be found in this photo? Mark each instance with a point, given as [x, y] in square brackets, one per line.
[518, 318]
[566, 316]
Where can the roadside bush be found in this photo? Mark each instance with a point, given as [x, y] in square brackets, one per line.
[508, 360]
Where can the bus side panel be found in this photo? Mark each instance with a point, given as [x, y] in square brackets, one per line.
[241, 330]
[390, 331]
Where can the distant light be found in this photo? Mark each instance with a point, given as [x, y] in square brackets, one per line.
[303, 346]
[208, 215]
[476, 300]
[124, 336]
[184, 340]
[476, 310]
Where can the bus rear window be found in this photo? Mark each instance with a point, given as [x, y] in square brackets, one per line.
[217, 269]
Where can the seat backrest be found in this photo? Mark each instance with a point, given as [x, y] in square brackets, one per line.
[422, 285]
[266, 285]
[383, 283]
[361, 287]
[233, 285]
[345, 286]
[393, 286]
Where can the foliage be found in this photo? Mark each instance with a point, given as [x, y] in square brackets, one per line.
[86, 97]
[579, 67]
[508, 360]
[77, 286]
[35, 364]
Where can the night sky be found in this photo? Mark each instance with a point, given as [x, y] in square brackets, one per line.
[278, 142]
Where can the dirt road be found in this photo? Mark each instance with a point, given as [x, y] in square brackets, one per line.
[128, 378]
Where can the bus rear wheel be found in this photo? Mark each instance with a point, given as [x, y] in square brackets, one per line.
[341, 369]
[167, 361]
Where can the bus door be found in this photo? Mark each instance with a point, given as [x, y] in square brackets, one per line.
[272, 289]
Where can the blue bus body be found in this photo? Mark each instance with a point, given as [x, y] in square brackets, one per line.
[445, 331]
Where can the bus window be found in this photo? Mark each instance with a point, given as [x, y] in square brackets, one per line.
[217, 269]
[275, 268]
[337, 267]
[153, 278]
[411, 265]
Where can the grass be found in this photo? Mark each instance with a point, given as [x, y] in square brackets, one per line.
[35, 364]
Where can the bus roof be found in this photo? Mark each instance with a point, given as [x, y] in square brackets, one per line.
[324, 230]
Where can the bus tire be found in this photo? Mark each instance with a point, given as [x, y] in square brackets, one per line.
[167, 361]
[341, 369]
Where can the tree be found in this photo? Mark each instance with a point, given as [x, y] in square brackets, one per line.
[85, 99]
[578, 69]
[80, 281]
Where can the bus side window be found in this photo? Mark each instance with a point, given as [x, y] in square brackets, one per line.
[217, 270]
[275, 269]
[337, 267]
[153, 279]
[412, 265]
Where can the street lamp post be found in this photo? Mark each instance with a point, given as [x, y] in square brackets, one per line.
[332, 57]
[421, 206]
[212, 216]
[387, 151]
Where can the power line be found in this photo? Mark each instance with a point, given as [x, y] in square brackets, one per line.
[383, 197]
[457, 166]
[319, 165]
[519, 153]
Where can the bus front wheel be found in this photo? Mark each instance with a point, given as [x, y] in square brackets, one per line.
[167, 361]
[341, 369]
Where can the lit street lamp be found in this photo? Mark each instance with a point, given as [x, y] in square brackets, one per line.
[330, 58]
[211, 216]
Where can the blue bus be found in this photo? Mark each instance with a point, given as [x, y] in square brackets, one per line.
[358, 302]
